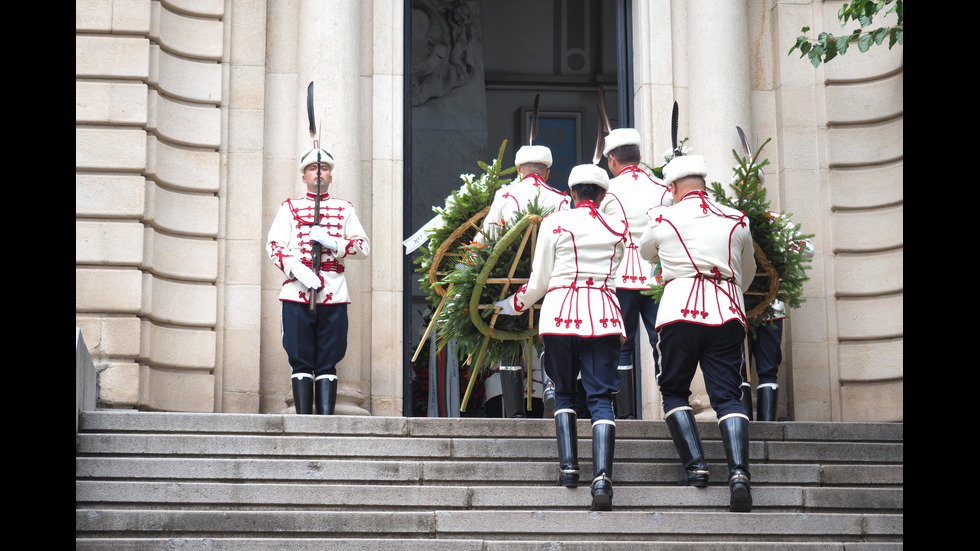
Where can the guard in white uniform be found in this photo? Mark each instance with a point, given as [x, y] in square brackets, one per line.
[581, 326]
[706, 253]
[315, 341]
[504, 385]
[632, 192]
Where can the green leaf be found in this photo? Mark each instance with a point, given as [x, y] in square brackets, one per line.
[864, 43]
[879, 35]
[895, 36]
[899, 11]
[831, 52]
[815, 54]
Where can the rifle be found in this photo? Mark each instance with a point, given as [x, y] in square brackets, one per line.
[316, 202]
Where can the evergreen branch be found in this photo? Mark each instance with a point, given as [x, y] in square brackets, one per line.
[775, 234]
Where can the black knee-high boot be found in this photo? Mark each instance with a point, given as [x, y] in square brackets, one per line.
[326, 394]
[603, 448]
[625, 400]
[735, 435]
[684, 432]
[766, 395]
[303, 393]
[567, 434]
[512, 387]
[746, 399]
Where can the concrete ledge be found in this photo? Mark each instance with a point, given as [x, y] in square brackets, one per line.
[85, 388]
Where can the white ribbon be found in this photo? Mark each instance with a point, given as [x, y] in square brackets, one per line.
[421, 237]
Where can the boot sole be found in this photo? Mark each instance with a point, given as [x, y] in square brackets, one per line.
[741, 499]
[601, 502]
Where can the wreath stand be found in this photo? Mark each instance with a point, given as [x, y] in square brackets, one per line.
[434, 272]
[768, 270]
[526, 228]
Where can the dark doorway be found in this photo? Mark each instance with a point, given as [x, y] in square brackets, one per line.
[476, 66]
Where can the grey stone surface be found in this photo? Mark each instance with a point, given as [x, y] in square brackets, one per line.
[229, 481]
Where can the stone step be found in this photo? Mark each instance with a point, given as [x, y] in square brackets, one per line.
[466, 449]
[542, 524]
[666, 471]
[260, 482]
[116, 421]
[460, 544]
[343, 497]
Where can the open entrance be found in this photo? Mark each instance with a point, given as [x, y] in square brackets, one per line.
[476, 66]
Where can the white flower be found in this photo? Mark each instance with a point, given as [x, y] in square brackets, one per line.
[685, 150]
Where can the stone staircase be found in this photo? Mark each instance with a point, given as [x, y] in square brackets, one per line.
[219, 482]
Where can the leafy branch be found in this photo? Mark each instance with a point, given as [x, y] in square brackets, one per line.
[827, 46]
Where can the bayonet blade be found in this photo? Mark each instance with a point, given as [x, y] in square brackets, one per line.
[534, 119]
[745, 144]
[603, 116]
[600, 141]
[673, 129]
[309, 109]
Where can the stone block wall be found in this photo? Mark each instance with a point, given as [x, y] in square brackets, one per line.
[148, 134]
[841, 175]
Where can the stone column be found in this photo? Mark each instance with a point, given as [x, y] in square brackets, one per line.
[719, 87]
[384, 79]
[242, 236]
[653, 95]
[317, 42]
[719, 99]
[280, 179]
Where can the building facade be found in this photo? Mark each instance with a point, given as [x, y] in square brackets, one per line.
[191, 116]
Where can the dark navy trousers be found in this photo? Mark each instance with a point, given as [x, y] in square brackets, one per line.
[315, 342]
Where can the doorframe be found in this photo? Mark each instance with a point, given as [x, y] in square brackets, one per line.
[624, 74]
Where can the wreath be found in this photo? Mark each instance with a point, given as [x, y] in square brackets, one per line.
[776, 239]
[463, 277]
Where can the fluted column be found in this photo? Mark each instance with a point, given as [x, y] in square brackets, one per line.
[719, 81]
[317, 42]
[719, 99]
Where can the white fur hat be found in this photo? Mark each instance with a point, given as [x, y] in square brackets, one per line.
[685, 165]
[533, 154]
[309, 158]
[588, 174]
[620, 137]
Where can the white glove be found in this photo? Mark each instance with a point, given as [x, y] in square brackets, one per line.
[305, 276]
[320, 235]
[505, 307]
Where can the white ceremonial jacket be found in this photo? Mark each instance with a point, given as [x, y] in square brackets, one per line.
[510, 199]
[576, 256]
[708, 261]
[632, 193]
[289, 242]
